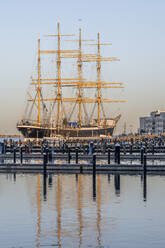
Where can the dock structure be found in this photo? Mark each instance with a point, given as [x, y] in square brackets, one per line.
[81, 168]
[78, 156]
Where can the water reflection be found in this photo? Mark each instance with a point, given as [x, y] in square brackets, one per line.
[14, 177]
[59, 210]
[76, 178]
[44, 186]
[145, 186]
[79, 191]
[94, 186]
[99, 209]
[38, 211]
[50, 181]
[117, 184]
[82, 210]
[109, 178]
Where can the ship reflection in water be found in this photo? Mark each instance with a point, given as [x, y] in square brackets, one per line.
[78, 210]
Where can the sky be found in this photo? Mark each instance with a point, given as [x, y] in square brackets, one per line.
[135, 28]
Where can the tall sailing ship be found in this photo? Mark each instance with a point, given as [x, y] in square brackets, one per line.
[66, 106]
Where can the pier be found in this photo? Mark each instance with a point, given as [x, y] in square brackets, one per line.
[77, 155]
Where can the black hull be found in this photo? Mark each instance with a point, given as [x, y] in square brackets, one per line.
[37, 132]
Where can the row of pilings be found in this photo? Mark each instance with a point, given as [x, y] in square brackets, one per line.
[69, 153]
[155, 145]
[94, 170]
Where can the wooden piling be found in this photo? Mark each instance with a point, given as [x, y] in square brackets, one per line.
[76, 155]
[45, 160]
[69, 156]
[81, 168]
[117, 153]
[142, 154]
[153, 149]
[108, 155]
[94, 164]
[21, 154]
[145, 163]
[14, 155]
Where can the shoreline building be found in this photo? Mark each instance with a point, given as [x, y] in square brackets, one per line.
[153, 124]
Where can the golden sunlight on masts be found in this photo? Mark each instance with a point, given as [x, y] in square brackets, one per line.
[74, 100]
[76, 82]
[58, 52]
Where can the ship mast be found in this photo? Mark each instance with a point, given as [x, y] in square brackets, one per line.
[57, 81]
[80, 80]
[100, 84]
[59, 76]
[39, 84]
[98, 79]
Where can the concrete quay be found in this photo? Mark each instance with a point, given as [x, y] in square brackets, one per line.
[82, 156]
[75, 168]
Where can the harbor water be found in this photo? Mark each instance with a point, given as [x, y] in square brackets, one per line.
[72, 210]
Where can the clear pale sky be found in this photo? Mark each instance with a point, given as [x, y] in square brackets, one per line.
[135, 28]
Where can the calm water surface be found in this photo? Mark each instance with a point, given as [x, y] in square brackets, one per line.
[71, 211]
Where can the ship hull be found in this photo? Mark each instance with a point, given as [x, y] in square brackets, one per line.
[38, 132]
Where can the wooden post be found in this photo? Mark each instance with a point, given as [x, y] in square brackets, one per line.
[124, 149]
[42, 149]
[14, 155]
[91, 148]
[108, 155]
[47, 153]
[21, 154]
[94, 164]
[69, 156]
[3, 148]
[45, 160]
[153, 149]
[50, 154]
[81, 168]
[142, 154]
[145, 163]
[117, 153]
[76, 155]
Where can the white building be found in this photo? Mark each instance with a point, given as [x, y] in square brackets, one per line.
[153, 124]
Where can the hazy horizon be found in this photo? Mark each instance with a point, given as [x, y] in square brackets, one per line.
[135, 29]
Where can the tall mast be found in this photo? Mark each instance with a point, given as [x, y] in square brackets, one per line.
[98, 79]
[59, 75]
[80, 79]
[39, 84]
[79, 83]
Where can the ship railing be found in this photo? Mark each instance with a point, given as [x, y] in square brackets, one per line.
[27, 122]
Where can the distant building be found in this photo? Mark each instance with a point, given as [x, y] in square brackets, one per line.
[153, 124]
